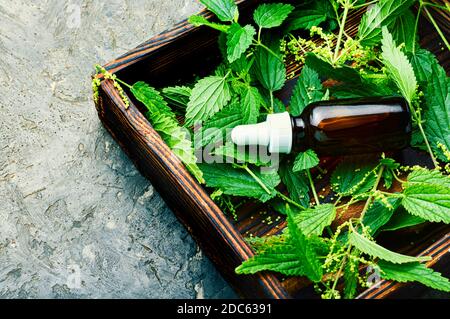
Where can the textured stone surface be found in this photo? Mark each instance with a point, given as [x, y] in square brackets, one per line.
[76, 218]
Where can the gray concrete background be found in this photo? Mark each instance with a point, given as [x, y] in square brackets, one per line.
[76, 218]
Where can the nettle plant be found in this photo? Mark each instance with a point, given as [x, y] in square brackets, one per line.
[382, 59]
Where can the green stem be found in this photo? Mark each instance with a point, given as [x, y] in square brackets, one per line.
[350, 202]
[396, 177]
[256, 178]
[341, 32]
[447, 44]
[416, 26]
[365, 4]
[313, 188]
[374, 188]
[268, 50]
[123, 83]
[338, 200]
[271, 101]
[435, 163]
[290, 201]
[418, 119]
[435, 5]
[259, 35]
[395, 195]
[344, 260]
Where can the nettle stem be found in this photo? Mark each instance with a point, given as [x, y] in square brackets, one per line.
[271, 101]
[123, 83]
[259, 43]
[313, 188]
[290, 201]
[256, 178]
[438, 30]
[341, 268]
[418, 118]
[416, 26]
[341, 31]
[433, 158]
[266, 189]
[374, 188]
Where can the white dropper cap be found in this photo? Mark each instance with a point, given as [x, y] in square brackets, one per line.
[275, 132]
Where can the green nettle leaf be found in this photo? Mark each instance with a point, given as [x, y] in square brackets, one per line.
[269, 70]
[398, 66]
[296, 183]
[313, 15]
[242, 65]
[422, 61]
[261, 244]
[324, 68]
[178, 95]
[280, 206]
[151, 99]
[198, 21]
[379, 214]
[371, 248]
[414, 272]
[165, 123]
[402, 30]
[251, 103]
[282, 258]
[225, 10]
[239, 40]
[242, 155]
[353, 176]
[425, 176]
[278, 106]
[402, 219]
[208, 97]
[388, 176]
[307, 90]
[272, 15]
[305, 19]
[368, 87]
[352, 83]
[427, 195]
[431, 202]
[218, 128]
[311, 263]
[305, 160]
[313, 221]
[383, 13]
[238, 182]
[437, 114]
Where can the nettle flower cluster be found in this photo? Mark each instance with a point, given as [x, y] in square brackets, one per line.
[322, 44]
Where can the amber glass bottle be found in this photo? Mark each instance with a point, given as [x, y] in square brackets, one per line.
[336, 127]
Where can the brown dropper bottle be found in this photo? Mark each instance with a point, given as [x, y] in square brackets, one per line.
[335, 127]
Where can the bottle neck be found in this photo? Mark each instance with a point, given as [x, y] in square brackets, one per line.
[299, 137]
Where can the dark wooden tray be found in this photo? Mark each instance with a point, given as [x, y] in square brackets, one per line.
[173, 57]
